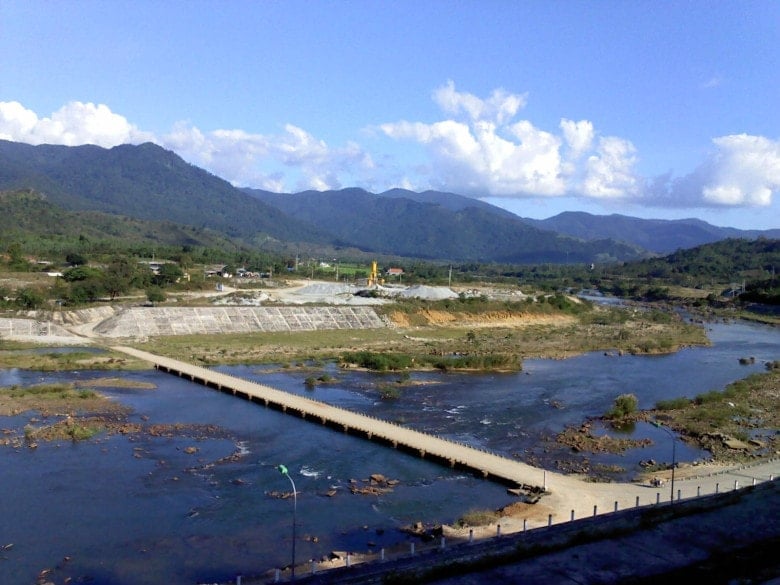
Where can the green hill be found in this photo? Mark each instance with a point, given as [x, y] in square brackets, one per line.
[28, 218]
[145, 182]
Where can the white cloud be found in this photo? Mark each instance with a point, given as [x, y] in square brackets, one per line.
[578, 135]
[482, 152]
[746, 171]
[255, 159]
[499, 107]
[610, 171]
[712, 82]
[232, 154]
[73, 124]
[742, 171]
[293, 158]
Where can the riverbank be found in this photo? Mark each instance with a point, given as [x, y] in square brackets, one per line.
[472, 329]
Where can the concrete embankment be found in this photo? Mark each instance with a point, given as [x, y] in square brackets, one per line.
[36, 330]
[141, 322]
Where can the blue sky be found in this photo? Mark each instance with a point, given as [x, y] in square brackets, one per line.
[651, 109]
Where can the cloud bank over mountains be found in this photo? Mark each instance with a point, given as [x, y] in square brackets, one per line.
[479, 148]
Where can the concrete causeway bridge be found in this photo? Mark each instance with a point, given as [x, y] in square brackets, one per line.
[456, 455]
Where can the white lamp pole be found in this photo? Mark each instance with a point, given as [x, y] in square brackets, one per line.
[674, 451]
[283, 470]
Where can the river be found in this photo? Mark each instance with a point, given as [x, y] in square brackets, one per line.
[141, 509]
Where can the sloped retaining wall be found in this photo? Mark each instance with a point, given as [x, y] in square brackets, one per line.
[14, 328]
[153, 321]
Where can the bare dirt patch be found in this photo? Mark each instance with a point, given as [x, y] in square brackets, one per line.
[434, 317]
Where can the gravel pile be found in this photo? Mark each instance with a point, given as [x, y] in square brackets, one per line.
[323, 288]
[428, 293]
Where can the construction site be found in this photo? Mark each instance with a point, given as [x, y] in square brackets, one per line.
[301, 306]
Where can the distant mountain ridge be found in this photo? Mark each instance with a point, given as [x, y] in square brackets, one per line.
[657, 235]
[465, 229]
[150, 183]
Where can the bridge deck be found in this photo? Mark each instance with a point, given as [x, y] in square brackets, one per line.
[425, 445]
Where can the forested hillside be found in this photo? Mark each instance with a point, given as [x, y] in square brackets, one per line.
[411, 228]
[145, 182]
[29, 220]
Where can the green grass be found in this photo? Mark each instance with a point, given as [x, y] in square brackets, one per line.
[477, 517]
[383, 362]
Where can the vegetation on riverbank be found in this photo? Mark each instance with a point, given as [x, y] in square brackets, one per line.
[736, 424]
[76, 412]
[31, 356]
[49, 399]
[383, 361]
[435, 336]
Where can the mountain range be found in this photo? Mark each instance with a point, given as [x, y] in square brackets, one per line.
[147, 182]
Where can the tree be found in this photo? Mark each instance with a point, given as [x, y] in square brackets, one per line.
[155, 295]
[84, 291]
[167, 275]
[185, 261]
[75, 259]
[16, 260]
[30, 298]
[118, 276]
[81, 273]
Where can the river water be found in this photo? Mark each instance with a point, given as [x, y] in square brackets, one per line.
[140, 509]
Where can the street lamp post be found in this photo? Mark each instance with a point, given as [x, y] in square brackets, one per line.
[674, 451]
[283, 470]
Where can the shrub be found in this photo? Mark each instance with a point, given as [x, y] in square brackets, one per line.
[81, 433]
[155, 294]
[404, 377]
[387, 392]
[478, 518]
[30, 298]
[673, 404]
[625, 405]
[378, 361]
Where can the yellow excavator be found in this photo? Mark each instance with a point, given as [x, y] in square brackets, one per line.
[373, 278]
